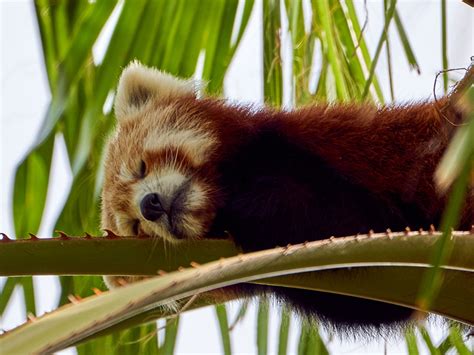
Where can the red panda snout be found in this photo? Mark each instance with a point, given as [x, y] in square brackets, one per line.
[154, 206]
[171, 205]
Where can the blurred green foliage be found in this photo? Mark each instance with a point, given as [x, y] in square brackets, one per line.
[172, 36]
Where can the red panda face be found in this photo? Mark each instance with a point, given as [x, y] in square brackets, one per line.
[157, 180]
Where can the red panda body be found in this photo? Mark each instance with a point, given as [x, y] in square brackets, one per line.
[181, 167]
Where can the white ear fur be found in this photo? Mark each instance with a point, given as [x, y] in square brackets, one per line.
[138, 84]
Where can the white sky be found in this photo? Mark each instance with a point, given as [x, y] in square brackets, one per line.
[24, 97]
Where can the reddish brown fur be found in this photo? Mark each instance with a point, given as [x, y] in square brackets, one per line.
[345, 169]
[388, 150]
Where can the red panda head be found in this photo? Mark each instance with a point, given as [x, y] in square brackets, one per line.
[156, 177]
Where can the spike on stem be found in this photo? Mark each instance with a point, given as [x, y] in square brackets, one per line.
[110, 235]
[5, 238]
[62, 235]
[288, 249]
[73, 299]
[32, 236]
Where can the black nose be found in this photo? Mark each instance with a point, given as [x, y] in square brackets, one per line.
[151, 207]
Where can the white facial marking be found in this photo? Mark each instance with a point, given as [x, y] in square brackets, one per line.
[191, 225]
[124, 224]
[196, 197]
[169, 182]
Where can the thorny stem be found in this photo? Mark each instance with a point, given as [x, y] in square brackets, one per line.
[135, 256]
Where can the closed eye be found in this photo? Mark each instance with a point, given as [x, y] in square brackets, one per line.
[142, 169]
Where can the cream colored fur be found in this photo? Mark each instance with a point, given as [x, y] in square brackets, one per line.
[149, 83]
[146, 108]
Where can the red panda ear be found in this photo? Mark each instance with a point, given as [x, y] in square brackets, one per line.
[139, 84]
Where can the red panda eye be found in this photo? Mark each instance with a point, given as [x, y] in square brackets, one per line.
[142, 169]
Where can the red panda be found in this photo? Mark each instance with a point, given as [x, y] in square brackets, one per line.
[182, 167]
